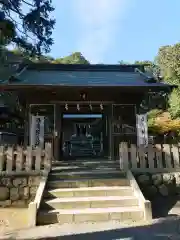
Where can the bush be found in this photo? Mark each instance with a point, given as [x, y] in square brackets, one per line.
[154, 113]
[174, 103]
[164, 124]
[152, 116]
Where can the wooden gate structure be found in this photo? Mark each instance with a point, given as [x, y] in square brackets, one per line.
[51, 90]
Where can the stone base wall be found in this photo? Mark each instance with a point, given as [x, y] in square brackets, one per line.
[18, 191]
[159, 184]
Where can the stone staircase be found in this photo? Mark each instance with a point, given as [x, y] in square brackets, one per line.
[83, 191]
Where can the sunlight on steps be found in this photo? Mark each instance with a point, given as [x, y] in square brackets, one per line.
[88, 191]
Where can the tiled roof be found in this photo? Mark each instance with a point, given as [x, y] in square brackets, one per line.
[83, 75]
[82, 78]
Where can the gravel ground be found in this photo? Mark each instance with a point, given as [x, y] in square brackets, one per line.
[164, 228]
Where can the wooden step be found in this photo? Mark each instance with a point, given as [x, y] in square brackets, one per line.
[78, 183]
[90, 202]
[90, 215]
[89, 192]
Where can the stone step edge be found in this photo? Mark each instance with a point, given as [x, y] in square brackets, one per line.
[81, 189]
[83, 162]
[86, 180]
[75, 168]
[92, 210]
[85, 159]
[86, 170]
[70, 167]
[90, 199]
[86, 177]
[78, 163]
[71, 173]
[88, 164]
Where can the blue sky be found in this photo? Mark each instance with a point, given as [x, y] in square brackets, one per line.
[106, 31]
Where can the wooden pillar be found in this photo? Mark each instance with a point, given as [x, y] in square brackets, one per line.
[105, 133]
[57, 132]
[111, 142]
[27, 125]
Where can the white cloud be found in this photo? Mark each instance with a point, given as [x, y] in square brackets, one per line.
[98, 22]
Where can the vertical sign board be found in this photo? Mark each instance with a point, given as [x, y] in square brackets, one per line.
[37, 131]
[142, 130]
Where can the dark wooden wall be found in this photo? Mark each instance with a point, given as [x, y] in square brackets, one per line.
[60, 96]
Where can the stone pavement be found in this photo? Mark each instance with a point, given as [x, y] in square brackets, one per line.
[164, 228]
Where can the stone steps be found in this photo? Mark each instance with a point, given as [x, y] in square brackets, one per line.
[89, 192]
[90, 215]
[90, 202]
[98, 162]
[64, 169]
[86, 175]
[78, 183]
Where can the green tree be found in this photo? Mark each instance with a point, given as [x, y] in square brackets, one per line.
[122, 62]
[75, 58]
[27, 23]
[152, 100]
[168, 61]
[150, 67]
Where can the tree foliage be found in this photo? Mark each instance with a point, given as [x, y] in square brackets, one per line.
[168, 61]
[151, 67]
[122, 62]
[27, 23]
[151, 100]
[75, 58]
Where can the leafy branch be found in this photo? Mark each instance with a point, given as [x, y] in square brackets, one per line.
[33, 30]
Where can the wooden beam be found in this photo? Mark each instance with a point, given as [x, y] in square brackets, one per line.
[85, 103]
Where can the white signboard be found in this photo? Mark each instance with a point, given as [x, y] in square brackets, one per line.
[37, 131]
[142, 130]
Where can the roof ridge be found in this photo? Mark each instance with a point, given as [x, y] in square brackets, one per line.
[86, 67]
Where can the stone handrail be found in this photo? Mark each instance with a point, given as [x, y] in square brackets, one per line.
[145, 204]
[34, 205]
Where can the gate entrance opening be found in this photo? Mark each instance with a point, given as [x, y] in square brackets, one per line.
[84, 131]
[82, 136]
